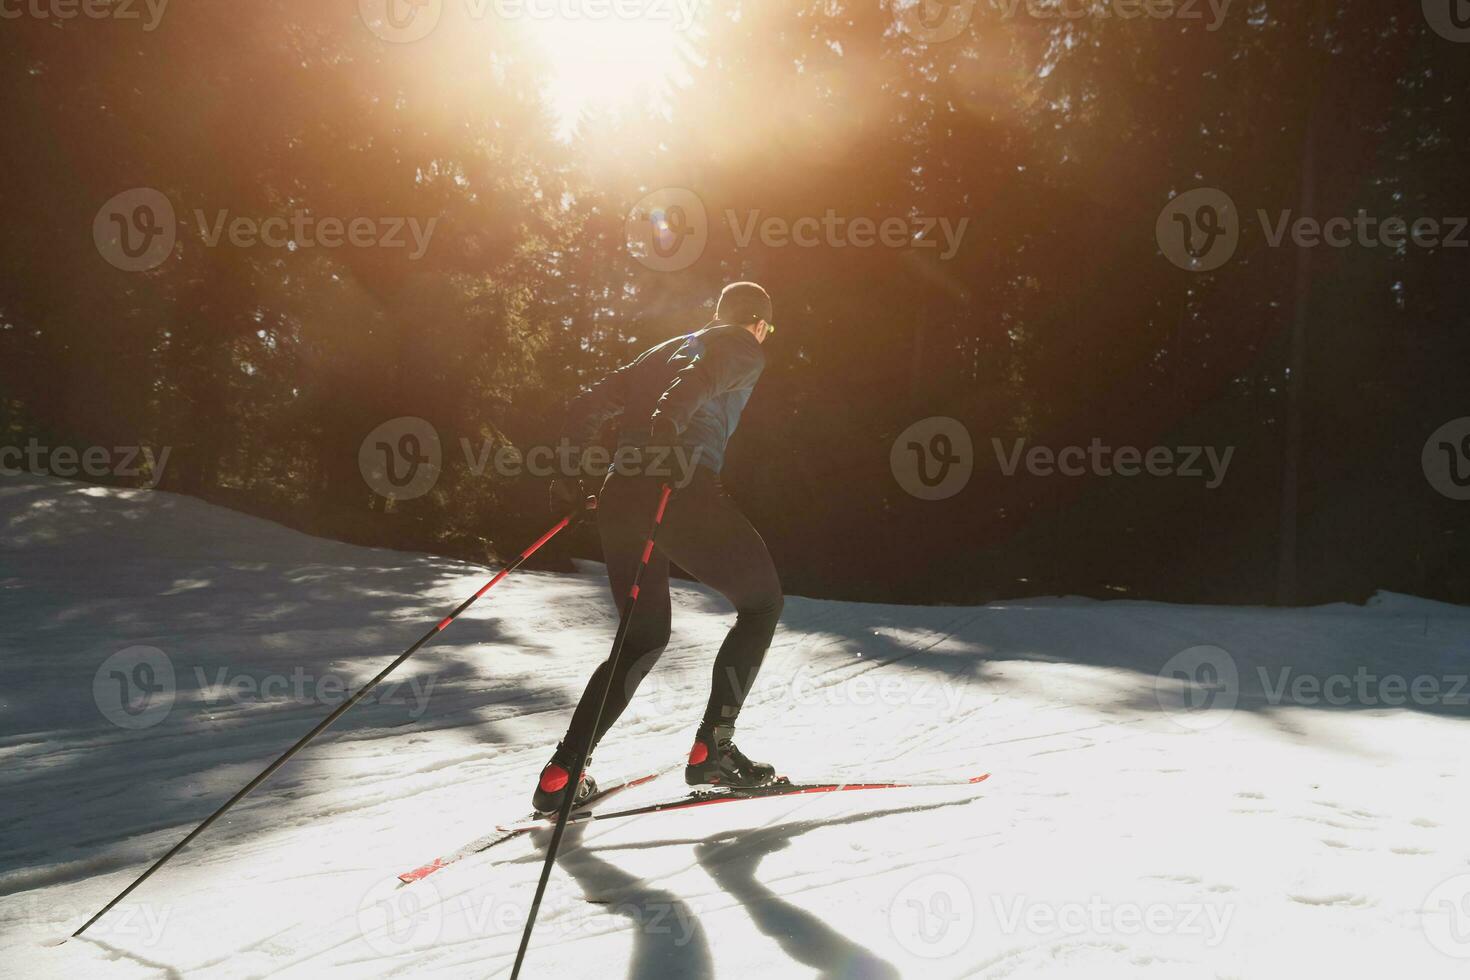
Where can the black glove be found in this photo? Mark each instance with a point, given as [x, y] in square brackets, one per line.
[568, 493]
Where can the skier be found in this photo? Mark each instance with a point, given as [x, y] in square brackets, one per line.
[685, 394]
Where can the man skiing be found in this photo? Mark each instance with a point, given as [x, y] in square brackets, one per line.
[686, 394]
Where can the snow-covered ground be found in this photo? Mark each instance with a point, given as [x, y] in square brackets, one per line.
[1304, 817]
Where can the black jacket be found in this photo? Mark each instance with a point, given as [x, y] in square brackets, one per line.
[700, 382]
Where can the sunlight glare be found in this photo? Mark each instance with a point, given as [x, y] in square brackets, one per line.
[615, 62]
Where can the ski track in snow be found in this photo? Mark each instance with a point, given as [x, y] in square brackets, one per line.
[1115, 838]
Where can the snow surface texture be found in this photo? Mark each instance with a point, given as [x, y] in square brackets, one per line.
[1135, 826]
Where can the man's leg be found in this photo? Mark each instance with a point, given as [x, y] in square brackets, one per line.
[625, 514]
[705, 533]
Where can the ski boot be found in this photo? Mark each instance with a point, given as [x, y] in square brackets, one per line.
[715, 761]
[551, 787]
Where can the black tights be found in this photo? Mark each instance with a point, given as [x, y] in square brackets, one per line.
[709, 538]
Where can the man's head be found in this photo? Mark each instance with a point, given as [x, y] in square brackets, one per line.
[748, 305]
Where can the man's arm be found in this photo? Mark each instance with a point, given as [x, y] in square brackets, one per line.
[732, 361]
[589, 410]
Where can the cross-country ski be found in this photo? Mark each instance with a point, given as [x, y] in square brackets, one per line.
[505, 833]
[705, 797]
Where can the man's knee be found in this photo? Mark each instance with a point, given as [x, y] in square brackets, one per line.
[765, 607]
[646, 644]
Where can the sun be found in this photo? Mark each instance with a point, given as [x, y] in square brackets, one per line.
[615, 55]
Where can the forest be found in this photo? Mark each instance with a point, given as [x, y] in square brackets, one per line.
[1189, 278]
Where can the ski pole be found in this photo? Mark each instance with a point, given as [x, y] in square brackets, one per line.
[590, 504]
[565, 810]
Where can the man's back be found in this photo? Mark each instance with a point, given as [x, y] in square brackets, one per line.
[698, 383]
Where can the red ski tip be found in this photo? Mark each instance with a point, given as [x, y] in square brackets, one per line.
[981, 778]
[419, 873]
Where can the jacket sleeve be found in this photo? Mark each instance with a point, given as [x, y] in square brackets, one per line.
[589, 410]
[728, 363]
